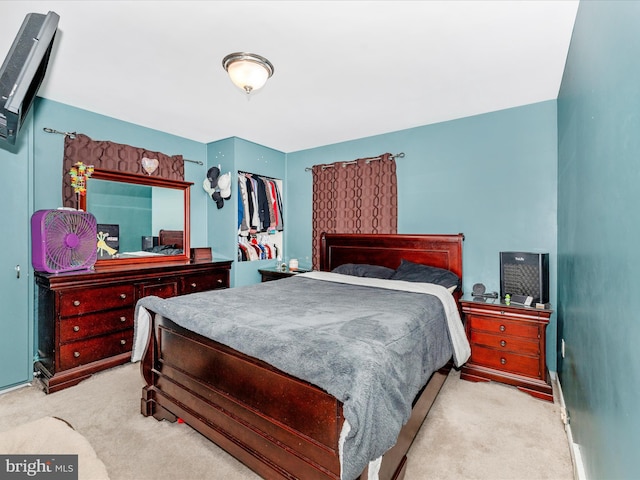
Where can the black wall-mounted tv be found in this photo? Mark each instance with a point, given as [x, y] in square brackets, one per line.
[23, 70]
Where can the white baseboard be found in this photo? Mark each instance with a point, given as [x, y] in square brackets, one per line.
[16, 387]
[574, 448]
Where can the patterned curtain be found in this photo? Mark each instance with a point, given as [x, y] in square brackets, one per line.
[113, 156]
[354, 197]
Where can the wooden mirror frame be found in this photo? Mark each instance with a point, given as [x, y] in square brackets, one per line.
[114, 176]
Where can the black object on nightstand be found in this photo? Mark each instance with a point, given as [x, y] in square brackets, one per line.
[275, 273]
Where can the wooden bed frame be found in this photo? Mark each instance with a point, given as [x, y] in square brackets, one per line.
[171, 237]
[277, 425]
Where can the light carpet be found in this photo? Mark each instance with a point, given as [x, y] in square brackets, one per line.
[474, 431]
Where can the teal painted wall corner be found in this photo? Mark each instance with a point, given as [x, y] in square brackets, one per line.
[598, 227]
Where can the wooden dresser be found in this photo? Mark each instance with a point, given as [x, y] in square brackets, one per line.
[507, 345]
[85, 319]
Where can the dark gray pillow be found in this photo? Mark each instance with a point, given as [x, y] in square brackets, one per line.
[415, 272]
[364, 270]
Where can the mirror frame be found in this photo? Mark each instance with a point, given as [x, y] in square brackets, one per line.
[114, 176]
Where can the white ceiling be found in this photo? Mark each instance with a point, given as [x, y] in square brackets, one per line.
[343, 69]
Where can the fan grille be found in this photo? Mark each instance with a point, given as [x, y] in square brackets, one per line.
[68, 240]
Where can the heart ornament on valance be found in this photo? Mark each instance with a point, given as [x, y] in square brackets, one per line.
[149, 165]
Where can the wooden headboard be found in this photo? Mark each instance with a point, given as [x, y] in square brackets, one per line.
[171, 237]
[443, 251]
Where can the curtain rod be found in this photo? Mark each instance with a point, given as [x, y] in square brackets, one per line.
[344, 164]
[73, 135]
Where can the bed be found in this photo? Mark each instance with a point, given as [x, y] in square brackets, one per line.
[170, 242]
[281, 425]
[171, 237]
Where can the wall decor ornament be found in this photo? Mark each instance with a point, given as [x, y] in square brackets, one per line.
[149, 165]
[79, 173]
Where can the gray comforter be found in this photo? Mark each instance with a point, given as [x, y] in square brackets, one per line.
[372, 348]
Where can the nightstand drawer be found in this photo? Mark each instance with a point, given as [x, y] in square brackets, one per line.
[503, 326]
[506, 361]
[505, 343]
[74, 329]
[96, 348]
[77, 302]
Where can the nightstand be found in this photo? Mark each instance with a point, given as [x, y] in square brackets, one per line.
[507, 345]
[274, 273]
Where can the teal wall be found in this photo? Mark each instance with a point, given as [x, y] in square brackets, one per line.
[124, 204]
[220, 230]
[598, 231]
[492, 177]
[16, 293]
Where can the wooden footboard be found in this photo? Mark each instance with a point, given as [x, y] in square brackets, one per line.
[277, 425]
[270, 421]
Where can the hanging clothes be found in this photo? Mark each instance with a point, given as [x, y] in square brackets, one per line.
[243, 198]
[259, 247]
[260, 207]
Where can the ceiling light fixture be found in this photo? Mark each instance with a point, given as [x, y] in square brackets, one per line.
[247, 70]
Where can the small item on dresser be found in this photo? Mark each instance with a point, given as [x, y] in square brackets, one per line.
[479, 292]
[522, 300]
[293, 264]
[201, 254]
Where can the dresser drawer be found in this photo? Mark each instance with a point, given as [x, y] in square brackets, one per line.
[505, 343]
[503, 326]
[86, 300]
[162, 289]
[506, 361]
[96, 348]
[77, 328]
[204, 281]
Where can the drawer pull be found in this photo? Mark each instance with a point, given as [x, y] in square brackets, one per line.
[502, 328]
[194, 285]
[503, 343]
[76, 328]
[123, 296]
[219, 280]
[503, 361]
[123, 342]
[76, 354]
[501, 312]
[76, 303]
[123, 319]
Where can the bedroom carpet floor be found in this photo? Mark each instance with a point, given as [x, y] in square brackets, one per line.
[474, 431]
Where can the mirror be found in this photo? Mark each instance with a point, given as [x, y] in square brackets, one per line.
[141, 219]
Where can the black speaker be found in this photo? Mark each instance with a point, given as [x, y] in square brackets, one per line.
[525, 274]
[148, 242]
